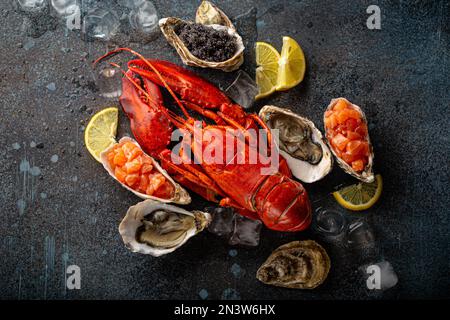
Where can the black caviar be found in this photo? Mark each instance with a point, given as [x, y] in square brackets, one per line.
[207, 43]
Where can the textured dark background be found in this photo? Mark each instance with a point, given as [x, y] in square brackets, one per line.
[69, 210]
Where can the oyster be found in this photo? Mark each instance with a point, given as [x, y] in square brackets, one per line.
[155, 228]
[179, 195]
[168, 27]
[208, 13]
[366, 174]
[300, 143]
[298, 264]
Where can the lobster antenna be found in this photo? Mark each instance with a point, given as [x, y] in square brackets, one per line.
[115, 51]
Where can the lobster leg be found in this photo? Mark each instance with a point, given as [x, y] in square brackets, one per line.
[190, 177]
[227, 202]
[204, 112]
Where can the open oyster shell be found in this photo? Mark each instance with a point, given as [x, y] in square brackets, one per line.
[300, 142]
[208, 13]
[168, 26]
[181, 196]
[367, 175]
[298, 265]
[155, 228]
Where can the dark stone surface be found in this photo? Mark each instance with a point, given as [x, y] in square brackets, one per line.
[69, 210]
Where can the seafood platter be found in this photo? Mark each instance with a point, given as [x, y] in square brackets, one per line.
[164, 178]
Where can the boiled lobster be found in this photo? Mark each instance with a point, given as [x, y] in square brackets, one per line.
[280, 202]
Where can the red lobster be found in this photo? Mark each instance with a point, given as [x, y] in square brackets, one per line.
[279, 201]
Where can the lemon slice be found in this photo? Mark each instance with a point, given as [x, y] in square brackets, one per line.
[101, 131]
[360, 196]
[292, 65]
[267, 58]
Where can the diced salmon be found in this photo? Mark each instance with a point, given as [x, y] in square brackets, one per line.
[340, 105]
[110, 158]
[351, 124]
[353, 136]
[345, 114]
[120, 174]
[150, 190]
[338, 152]
[146, 168]
[362, 130]
[119, 158]
[165, 191]
[143, 183]
[358, 165]
[131, 150]
[339, 141]
[132, 179]
[348, 157]
[134, 165]
[331, 122]
[328, 113]
[157, 180]
[354, 147]
[364, 150]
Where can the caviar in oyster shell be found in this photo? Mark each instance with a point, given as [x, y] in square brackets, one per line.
[207, 43]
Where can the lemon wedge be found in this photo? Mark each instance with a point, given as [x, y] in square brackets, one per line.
[267, 58]
[291, 66]
[360, 196]
[100, 133]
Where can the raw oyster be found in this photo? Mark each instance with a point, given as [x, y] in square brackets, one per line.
[298, 264]
[367, 174]
[168, 26]
[180, 195]
[209, 13]
[300, 143]
[155, 228]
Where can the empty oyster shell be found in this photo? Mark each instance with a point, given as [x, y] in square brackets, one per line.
[180, 196]
[298, 264]
[300, 143]
[168, 26]
[209, 13]
[367, 175]
[155, 228]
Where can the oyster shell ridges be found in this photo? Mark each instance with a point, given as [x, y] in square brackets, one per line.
[208, 13]
[298, 265]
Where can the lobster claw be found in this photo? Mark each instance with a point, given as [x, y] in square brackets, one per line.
[150, 127]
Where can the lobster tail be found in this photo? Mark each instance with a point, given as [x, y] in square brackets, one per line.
[283, 204]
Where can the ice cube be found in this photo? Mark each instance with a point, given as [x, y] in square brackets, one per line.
[144, 18]
[222, 221]
[380, 275]
[100, 24]
[246, 232]
[109, 82]
[64, 8]
[330, 224]
[32, 5]
[243, 90]
[360, 235]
